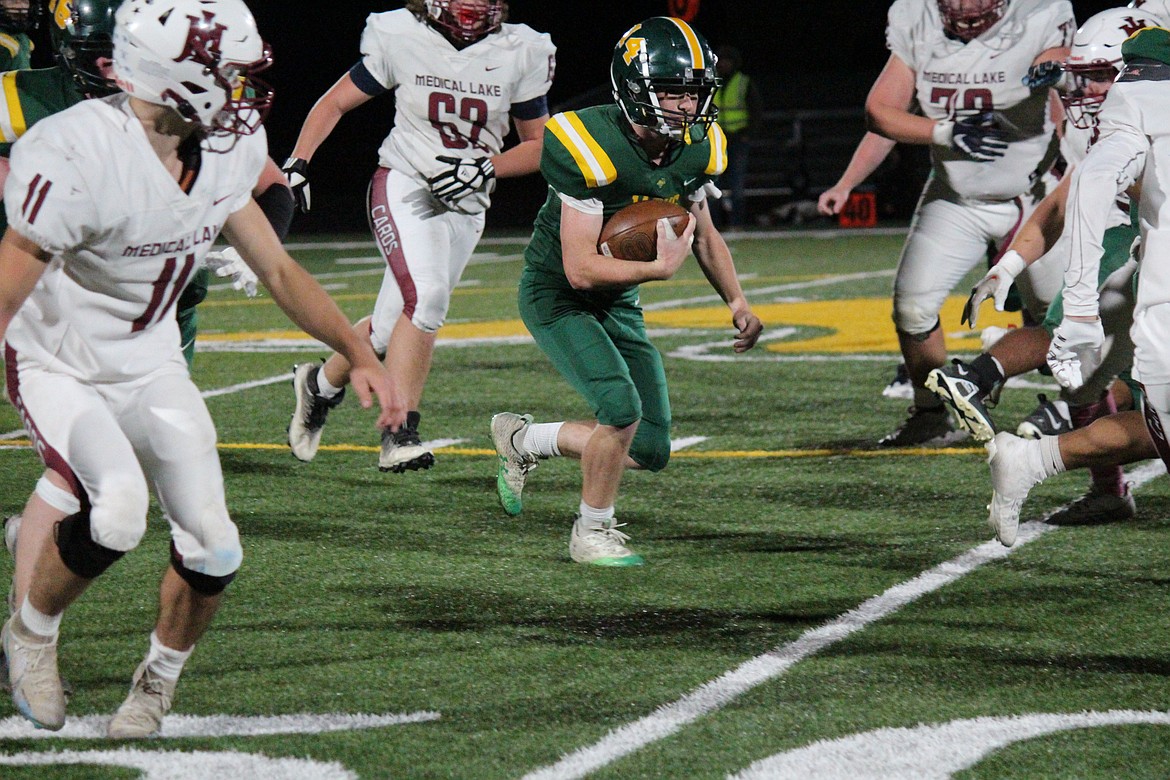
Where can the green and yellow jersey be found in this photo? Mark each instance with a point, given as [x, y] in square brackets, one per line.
[15, 51]
[593, 155]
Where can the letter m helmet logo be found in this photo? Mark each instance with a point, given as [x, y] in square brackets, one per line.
[203, 40]
[1130, 25]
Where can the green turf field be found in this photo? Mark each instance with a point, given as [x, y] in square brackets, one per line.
[811, 606]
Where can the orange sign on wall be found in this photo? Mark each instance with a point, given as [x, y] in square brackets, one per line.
[860, 211]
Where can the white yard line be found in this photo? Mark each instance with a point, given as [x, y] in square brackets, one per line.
[771, 290]
[718, 693]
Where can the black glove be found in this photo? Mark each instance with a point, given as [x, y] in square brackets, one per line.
[463, 177]
[296, 171]
[1044, 75]
[980, 137]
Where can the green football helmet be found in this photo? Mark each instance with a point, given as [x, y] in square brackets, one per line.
[81, 31]
[665, 54]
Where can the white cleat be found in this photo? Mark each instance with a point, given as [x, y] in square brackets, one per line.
[308, 418]
[1013, 475]
[141, 714]
[601, 545]
[514, 462]
[32, 674]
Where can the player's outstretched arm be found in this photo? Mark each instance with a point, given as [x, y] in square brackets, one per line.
[871, 151]
[715, 260]
[341, 98]
[308, 305]
[22, 262]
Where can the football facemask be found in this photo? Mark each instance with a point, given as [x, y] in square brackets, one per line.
[968, 19]
[466, 21]
[81, 33]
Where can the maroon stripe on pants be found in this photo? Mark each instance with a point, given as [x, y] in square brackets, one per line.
[1154, 426]
[386, 237]
[49, 456]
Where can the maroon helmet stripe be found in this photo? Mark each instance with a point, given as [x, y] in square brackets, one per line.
[389, 242]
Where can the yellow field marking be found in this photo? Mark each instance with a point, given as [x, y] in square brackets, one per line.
[853, 325]
[701, 454]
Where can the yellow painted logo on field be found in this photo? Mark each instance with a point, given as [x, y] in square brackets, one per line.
[844, 326]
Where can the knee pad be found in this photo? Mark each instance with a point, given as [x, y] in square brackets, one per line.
[922, 335]
[79, 552]
[651, 447]
[203, 584]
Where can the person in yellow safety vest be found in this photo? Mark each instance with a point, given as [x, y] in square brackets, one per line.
[738, 101]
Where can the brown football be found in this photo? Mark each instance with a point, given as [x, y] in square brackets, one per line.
[630, 234]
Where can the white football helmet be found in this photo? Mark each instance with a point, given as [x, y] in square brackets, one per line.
[196, 56]
[1160, 9]
[1095, 58]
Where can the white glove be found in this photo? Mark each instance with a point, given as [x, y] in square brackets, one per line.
[462, 178]
[996, 283]
[228, 264]
[1075, 351]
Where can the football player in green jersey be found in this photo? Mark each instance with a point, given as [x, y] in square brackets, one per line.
[17, 19]
[659, 140]
[81, 36]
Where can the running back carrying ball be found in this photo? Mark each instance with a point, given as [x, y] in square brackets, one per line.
[631, 233]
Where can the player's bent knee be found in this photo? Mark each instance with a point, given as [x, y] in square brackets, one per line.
[430, 312]
[203, 584]
[79, 552]
[651, 452]
[619, 407]
[917, 333]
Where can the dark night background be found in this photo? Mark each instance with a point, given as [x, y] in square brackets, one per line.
[804, 55]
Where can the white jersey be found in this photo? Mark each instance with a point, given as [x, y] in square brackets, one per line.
[448, 101]
[956, 79]
[88, 188]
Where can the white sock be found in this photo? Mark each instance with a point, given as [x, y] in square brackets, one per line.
[324, 389]
[1050, 455]
[38, 622]
[165, 662]
[541, 439]
[592, 517]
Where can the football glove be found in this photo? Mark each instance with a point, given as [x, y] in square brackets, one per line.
[1044, 75]
[996, 284]
[228, 264]
[296, 171]
[979, 137]
[462, 178]
[1075, 351]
